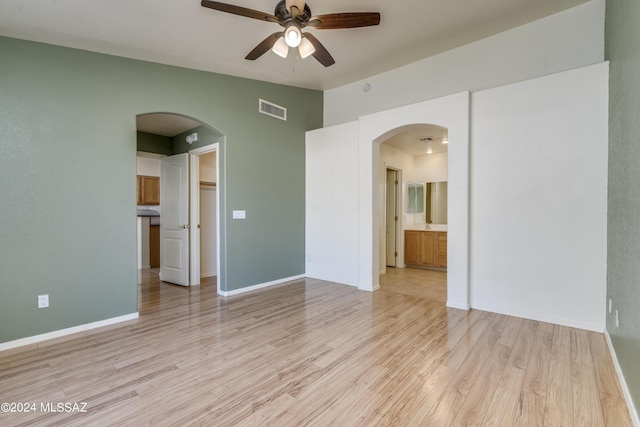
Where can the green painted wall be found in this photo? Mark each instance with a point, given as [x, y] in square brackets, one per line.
[152, 143]
[206, 137]
[67, 174]
[623, 272]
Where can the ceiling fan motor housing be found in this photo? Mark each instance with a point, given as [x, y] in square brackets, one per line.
[284, 15]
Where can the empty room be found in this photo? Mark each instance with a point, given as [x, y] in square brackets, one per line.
[295, 213]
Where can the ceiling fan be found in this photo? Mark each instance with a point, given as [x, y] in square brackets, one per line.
[294, 15]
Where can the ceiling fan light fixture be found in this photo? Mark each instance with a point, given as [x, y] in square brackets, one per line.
[293, 16]
[292, 36]
[280, 48]
[306, 48]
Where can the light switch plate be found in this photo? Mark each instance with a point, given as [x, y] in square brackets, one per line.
[240, 214]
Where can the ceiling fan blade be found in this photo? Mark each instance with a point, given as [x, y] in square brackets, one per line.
[321, 54]
[335, 21]
[264, 46]
[238, 10]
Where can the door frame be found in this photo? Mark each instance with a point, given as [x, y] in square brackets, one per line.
[452, 112]
[194, 213]
[398, 224]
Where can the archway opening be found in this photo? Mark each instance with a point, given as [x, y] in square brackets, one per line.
[163, 136]
[451, 112]
[412, 210]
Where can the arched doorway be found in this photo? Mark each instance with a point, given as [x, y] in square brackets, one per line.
[168, 135]
[413, 210]
[451, 112]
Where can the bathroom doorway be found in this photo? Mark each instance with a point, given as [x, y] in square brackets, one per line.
[392, 223]
[415, 248]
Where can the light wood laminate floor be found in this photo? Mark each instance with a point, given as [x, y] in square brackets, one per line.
[315, 353]
[422, 283]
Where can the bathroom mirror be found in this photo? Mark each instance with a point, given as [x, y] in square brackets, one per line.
[436, 202]
[415, 197]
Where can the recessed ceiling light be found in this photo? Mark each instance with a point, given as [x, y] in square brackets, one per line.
[429, 151]
[445, 141]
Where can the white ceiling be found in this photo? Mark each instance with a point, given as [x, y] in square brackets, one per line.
[165, 124]
[185, 34]
[420, 140]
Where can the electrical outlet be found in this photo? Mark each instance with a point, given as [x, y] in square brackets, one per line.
[43, 301]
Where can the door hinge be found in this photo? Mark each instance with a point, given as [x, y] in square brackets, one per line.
[395, 254]
[396, 217]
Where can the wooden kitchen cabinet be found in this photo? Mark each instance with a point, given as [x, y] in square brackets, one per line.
[425, 248]
[154, 246]
[148, 190]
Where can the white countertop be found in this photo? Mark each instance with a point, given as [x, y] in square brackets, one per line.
[423, 227]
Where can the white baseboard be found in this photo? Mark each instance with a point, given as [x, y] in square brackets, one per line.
[329, 279]
[623, 383]
[541, 318]
[260, 286]
[210, 274]
[68, 331]
[453, 304]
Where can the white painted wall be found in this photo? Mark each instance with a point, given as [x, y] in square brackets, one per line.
[148, 166]
[394, 158]
[527, 227]
[431, 167]
[332, 204]
[567, 40]
[539, 198]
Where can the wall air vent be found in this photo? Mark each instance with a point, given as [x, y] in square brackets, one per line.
[273, 110]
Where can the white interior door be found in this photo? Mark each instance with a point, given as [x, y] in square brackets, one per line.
[174, 223]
